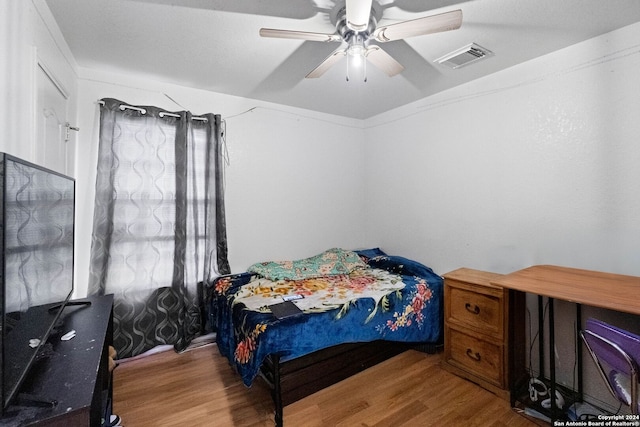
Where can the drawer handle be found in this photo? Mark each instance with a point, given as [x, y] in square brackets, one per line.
[473, 356]
[474, 310]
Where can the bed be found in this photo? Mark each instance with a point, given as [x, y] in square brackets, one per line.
[351, 310]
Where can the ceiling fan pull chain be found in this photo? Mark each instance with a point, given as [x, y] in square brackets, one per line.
[364, 69]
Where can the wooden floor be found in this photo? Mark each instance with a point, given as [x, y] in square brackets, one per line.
[199, 388]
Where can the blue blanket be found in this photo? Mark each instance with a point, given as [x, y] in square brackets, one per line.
[410, 313]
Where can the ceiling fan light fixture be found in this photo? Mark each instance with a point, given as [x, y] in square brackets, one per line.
[356, 60]
[356, 56]
[356, 47]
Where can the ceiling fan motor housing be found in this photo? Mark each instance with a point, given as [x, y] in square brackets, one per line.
[348, 34]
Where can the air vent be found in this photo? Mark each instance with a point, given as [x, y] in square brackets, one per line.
[464, 56]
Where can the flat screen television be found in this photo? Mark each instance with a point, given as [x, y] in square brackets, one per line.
[36, 275]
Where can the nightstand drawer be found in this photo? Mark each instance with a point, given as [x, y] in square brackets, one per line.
[480, 319]
[482, 358]
[477, 311]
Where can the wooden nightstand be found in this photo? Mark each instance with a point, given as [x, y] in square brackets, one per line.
[484, 326]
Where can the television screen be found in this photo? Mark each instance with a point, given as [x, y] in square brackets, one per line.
[37, 235]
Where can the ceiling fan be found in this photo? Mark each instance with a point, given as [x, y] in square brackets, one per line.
[356, 26]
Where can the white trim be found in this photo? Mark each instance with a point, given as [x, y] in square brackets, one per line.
[56, 82]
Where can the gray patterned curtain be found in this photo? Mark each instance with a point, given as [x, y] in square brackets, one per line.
[159, 222]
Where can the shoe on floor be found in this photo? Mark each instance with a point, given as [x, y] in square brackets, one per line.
[114, 421]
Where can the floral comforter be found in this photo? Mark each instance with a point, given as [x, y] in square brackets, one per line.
[391, 298]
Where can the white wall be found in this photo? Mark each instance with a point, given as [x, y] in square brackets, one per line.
[14, 60]
[294, 185]
[537, 164]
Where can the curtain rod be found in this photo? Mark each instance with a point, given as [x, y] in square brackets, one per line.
[161, 114]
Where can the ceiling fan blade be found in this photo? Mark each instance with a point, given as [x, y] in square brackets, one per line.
[383, 61]
[326, 64]
[300, 35]
[417, 27]
[358, 12]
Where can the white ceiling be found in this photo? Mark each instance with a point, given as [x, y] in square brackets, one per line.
[214, 44]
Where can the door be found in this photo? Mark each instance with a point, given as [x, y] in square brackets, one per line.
[52, 128]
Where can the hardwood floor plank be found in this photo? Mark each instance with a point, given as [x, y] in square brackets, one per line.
[199, 388]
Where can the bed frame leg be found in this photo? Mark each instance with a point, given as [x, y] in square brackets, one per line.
[277, 397]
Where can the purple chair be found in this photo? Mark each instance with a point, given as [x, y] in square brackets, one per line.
[616, 353]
